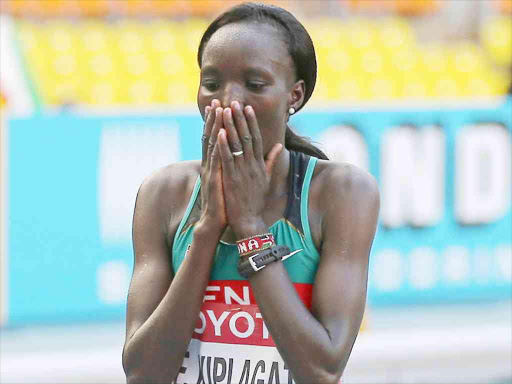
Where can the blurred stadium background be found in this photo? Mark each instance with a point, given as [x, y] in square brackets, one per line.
[95, 94]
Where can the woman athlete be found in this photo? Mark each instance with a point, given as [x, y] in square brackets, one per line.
[197, 311]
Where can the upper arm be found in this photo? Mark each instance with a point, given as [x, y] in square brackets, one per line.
[348, 229]
[152, 273]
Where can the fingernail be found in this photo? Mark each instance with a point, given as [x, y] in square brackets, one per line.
[207, 111]
[228, 111]
[236, 104]
[218, 111]
[248, 109]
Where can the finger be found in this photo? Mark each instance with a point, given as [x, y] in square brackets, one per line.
[272, 157]
[232, 135]
[217, 125]
[215, 104]
[207, 131]
[242, 128]
[228, 162]
[209, 119]
[254, 130]
[215, 164]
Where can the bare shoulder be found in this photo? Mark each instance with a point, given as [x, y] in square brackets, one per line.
[166, 190]
[171, 178]
[336, 189]
[344, 185]
[344, 182]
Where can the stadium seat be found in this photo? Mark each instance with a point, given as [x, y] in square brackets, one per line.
[496, 37]
[132, 61]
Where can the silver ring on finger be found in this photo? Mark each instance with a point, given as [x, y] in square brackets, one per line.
[238, 153]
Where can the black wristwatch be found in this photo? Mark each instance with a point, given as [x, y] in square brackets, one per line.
[247, 266]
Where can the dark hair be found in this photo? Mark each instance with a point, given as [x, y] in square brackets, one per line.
[300, 48]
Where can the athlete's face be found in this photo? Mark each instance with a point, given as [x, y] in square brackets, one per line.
[250, 63]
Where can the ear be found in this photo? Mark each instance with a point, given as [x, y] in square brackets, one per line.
[297, 94]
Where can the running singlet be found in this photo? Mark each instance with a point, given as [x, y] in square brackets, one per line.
[231, 343]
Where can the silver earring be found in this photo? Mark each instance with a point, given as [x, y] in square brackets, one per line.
[291, 111]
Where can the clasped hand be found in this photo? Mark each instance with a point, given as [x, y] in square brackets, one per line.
[234, 187]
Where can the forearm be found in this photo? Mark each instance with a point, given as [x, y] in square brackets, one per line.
[156, 351]
[301, 339]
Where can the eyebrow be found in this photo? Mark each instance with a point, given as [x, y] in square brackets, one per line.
[210, 69]
[257, 71]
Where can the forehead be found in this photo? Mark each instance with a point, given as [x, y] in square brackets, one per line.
[248, 44]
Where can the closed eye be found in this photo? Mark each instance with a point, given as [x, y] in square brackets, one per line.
[210, 85]
[256, 85]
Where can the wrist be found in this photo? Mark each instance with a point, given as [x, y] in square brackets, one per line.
[256, 227]
[206, 229]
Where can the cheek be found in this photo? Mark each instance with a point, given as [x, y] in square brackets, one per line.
[202, 101]
[271, 120]
[270, 114]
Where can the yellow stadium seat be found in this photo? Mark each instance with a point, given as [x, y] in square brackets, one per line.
[412, 85]
[140, 92]
[61, 36]
[372, 62]
[321, 93]
[395, 33]
[95, 36]
[435, 58]
[171, 64]
[31, 39]
[478, 86]
[350, 89]
[100, 93]
[180, 93]
[130, 36]
[446, 87]
[339, 61]
[362, 34]
[135, 62]
[383, 88]
[496, 37]
[163, 36]
[499, 82]
[467, 58]
[405, 60]
[327, 34]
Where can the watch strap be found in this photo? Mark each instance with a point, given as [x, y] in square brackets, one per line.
[247, 266]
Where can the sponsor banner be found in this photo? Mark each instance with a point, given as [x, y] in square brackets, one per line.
[444, 175]
[4, 267]
[231, 315]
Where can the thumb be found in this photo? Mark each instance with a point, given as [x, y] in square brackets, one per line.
[272, 156]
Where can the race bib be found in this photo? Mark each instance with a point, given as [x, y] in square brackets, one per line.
[231, 343]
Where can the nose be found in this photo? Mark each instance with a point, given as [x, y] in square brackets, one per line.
[232, 92]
